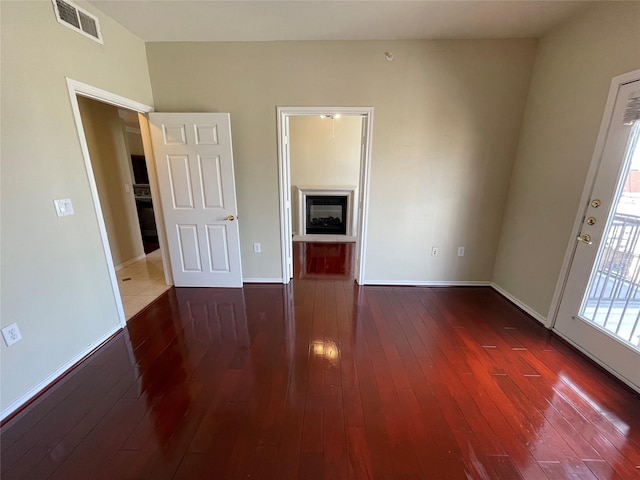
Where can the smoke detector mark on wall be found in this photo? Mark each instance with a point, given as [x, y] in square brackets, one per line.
[74, 17]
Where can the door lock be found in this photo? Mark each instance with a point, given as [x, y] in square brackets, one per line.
[586, 238]
[595, 203]
[591, 221]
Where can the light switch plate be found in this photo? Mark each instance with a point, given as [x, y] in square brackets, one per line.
[64, 207]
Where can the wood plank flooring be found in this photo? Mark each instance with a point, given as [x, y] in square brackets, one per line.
[322, 379]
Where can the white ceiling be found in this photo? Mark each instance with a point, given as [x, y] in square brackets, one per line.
[186, 20]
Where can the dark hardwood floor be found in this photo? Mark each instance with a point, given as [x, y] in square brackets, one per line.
[322, 379]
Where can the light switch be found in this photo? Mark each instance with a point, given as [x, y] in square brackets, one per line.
[64, 207]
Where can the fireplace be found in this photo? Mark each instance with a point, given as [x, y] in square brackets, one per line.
[326, 214]
[325, 210]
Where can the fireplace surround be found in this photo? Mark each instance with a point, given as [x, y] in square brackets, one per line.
[326, 210]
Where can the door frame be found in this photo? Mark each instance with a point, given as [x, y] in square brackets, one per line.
[75, 89]
[589, 183]
[284, 177]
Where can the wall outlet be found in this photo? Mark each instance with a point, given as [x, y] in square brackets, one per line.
[461, 251]
[11, 334]
[434, 251]
[257, 248]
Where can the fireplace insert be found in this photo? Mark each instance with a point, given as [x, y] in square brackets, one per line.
[326, 214]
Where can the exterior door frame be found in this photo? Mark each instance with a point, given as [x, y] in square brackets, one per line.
[286, 247]
[76, 89]
[616, 83]
[561, 286]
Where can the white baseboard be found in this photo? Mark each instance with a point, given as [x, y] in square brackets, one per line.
[56, 374]
[129, 262]
[540, 318]
[426, 283]
[262, 280]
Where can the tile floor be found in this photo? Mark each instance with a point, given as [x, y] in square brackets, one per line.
[141, 283]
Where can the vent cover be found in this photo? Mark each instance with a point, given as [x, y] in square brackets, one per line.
[74, 17]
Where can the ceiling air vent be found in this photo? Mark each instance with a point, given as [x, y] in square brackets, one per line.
[74, 17]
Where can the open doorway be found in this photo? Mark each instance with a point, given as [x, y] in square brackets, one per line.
[324, 158]
[116, 267]
[325, 177]
[126, 202]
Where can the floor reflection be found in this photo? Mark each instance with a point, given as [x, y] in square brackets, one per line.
[162, 361]
[323, 378]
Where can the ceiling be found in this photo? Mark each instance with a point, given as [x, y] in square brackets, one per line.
[186, 20]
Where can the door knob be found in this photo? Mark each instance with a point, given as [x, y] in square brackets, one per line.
[586, 238]
[230, 218]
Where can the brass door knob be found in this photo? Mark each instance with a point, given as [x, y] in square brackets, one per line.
[230, 218]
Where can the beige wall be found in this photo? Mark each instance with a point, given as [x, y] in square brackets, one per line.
[570, 83]
[134, 141]
[324, 152]
[446, 123]
[55, 282]
[111, 165]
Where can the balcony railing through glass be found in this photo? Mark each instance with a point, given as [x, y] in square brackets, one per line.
[613, 300]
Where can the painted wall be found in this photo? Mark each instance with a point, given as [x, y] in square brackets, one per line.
[111, 164]
[446, 123]
[134, 141]
[573, 71]
[54, 275]
[324, 152]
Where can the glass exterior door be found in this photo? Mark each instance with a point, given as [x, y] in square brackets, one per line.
[599, 310]
[612, 299]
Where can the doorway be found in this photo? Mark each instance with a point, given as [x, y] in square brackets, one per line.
[599, 308]
[112, 134]
[325, 208]
[121, 276]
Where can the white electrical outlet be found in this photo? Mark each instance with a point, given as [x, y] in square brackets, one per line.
[257, 248]
[461, 251]
[434, 251]
[11, 334]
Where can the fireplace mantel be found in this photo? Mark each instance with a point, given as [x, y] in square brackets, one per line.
[334, 190]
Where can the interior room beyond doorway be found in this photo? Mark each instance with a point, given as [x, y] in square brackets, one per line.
[325, 174]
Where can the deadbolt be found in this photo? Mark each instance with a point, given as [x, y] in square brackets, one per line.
[591, 221]
[595, 203]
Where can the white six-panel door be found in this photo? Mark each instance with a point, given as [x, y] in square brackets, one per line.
[194, 162]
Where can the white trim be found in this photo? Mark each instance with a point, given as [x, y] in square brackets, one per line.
[363, 207]
[348, 191]
[428, 283]
[76, 88]
[558, 293]
[54, 376]
[284, 181]
[262, 280]
[129, 262]
[317, 238]
[596, 360]
[523, 306]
